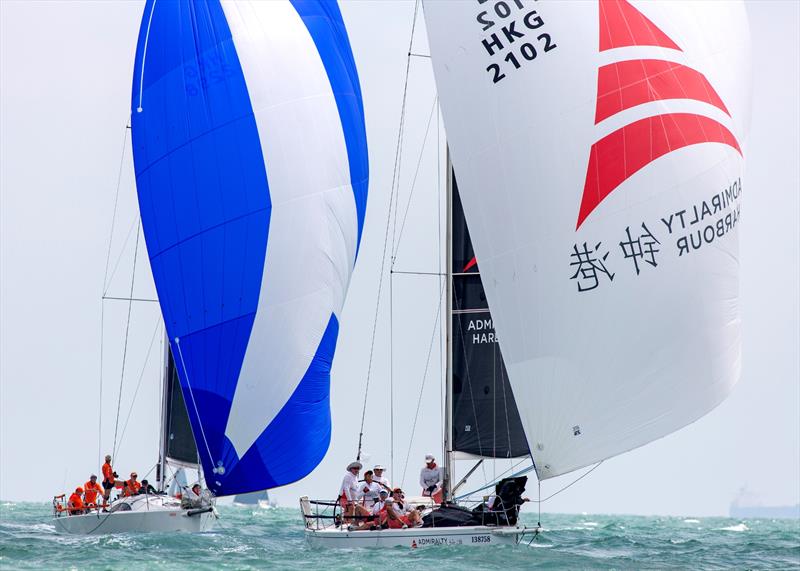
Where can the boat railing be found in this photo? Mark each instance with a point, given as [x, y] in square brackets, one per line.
[319, 514]
[61, 509]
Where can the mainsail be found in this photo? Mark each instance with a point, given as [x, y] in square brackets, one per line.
[599, 148]
[485, 417]
[251, 168]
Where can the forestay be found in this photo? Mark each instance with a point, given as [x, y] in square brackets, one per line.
[251, 168]
[599, 148]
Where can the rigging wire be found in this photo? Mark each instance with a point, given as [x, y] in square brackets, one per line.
[396, 244]
[572, 483]
[527, 470]
[422, 387]
[121, 251]
[194, 403]
[395, 175]
[490, 484]
[127, 331]
[139, 382]
[116, 203]
[105, 286]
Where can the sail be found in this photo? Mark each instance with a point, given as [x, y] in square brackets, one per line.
[179, 445]
[251, 168]
[599, 148]
[485, 417]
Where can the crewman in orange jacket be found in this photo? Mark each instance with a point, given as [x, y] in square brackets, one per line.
[75, 503]
[133, 486]
[109, 476]
[91, 491]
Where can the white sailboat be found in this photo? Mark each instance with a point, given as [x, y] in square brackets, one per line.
[599, 150]
[164, 511]
[251, 165]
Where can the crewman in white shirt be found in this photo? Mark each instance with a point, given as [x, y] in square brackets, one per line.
[431, 477]
[369, 489]
[381, 478]
[349, 492]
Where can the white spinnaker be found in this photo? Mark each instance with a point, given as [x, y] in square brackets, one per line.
[313, 226]
[598, 372]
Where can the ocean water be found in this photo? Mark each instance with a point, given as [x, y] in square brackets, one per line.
[255, 538]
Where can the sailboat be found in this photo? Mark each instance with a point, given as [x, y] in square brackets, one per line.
[599, 150]
[161, 512]
[251, 166]
[254, 499]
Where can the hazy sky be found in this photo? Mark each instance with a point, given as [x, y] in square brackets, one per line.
[64, 104]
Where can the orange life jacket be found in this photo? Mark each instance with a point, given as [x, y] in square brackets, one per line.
[133, 487]
[90, 492]
[75, 504]
[108, 473]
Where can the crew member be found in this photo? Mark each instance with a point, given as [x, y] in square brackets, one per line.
[349, 491]
[407, 514]
[132, 486]
[381, 478]
[369, 490]
[91, 490]
[75, 503]
[109, 476]
[377, 513]
[147, 488]
[430, 477]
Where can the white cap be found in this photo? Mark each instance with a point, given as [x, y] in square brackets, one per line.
[379, 467]
[429, 458]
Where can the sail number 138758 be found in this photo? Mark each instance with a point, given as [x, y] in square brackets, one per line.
[514, 35]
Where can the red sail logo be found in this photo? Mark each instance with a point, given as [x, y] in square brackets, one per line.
[626, 84]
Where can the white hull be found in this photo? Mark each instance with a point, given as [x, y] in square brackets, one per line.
[149, 514]
[475, 536]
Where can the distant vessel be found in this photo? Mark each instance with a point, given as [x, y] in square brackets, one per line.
[747, 506]
[260, 499]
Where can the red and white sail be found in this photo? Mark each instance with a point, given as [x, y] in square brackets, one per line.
[600, 148]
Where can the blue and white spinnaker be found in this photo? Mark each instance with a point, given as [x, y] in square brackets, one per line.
[251, 167]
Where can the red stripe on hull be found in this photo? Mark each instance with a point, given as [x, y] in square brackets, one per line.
[627, 84]
[617, 156]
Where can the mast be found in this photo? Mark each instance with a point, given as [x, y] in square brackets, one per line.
[448, 392]
[162, 439]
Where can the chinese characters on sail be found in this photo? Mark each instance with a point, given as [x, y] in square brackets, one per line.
[641, 248]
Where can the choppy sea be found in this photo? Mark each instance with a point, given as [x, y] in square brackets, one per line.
[257, 538]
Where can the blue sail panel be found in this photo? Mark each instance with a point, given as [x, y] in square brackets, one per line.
[251, 250]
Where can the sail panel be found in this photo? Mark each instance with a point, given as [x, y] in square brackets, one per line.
[618, 321]
[251, 165]
[179, 444]
[486, 421]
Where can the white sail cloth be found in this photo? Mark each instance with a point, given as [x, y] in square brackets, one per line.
[599, 151]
